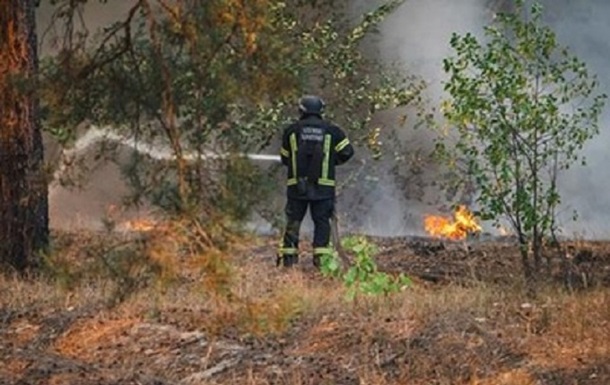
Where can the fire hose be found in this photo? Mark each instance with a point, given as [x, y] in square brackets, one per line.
[96, 134]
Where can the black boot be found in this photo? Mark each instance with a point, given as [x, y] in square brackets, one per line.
[288, 260]
[317, 261]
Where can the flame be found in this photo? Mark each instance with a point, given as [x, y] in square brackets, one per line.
[464, 223]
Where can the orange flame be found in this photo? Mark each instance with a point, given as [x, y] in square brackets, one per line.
[463, 224]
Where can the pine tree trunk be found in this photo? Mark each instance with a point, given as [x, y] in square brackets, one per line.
[24, 221]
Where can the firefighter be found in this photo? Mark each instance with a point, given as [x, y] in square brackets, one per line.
[311, 148]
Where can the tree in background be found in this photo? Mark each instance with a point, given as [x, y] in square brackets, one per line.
[23, 189]
[217, 75]
[523, 107]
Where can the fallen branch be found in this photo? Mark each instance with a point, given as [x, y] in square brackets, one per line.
[199, 377]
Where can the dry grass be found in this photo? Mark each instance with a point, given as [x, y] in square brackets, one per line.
[89, 335]
[567, 329]
[292, 327]
[511, 377]
[35, 298]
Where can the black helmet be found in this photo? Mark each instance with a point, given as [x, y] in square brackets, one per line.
[311, 104]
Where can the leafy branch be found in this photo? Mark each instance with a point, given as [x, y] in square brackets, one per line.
[363, 277]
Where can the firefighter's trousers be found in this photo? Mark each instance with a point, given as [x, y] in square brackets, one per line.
[321, 214]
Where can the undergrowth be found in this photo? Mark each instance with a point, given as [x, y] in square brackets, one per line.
[363, 276]
[126, 263]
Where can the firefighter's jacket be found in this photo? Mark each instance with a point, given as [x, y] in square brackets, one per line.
[311, 148]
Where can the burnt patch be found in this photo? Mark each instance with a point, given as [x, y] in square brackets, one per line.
[593, 374]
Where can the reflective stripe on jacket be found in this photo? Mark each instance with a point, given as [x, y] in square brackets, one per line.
[336, 150]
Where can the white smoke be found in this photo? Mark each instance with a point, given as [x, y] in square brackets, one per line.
[417, 35]
[583, 27]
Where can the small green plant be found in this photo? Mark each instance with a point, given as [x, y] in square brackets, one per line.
[330, 265]
[363, 276]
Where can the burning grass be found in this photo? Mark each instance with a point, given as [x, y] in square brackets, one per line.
[212, 316]
[458, 228]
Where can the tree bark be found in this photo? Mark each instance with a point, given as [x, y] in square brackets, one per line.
[24, 218]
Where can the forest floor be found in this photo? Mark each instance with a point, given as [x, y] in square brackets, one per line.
[106, 315]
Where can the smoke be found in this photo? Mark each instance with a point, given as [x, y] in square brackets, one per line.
[417, 36]
[94, 15]
[583, 27]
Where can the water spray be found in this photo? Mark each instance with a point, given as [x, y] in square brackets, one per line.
[95, 135]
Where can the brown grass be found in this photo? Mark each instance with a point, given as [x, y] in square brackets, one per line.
[511, 377]
[89, 335]
[569, 329]
[295, 322]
